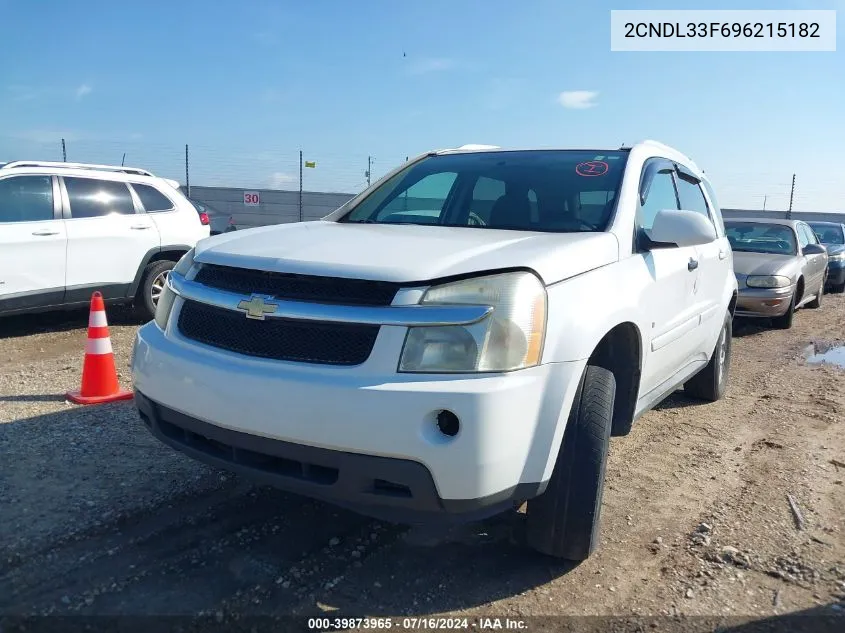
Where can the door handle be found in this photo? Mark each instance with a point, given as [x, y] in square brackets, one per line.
[723, 254]
[692, 264]
[45, 232]
[140, 227]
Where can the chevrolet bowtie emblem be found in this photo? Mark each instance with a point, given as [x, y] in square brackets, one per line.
[256, 308]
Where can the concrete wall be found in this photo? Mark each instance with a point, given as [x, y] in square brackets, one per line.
[806, 216]
[276, 207]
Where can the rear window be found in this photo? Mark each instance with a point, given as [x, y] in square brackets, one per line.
[539, 190]
[757, 237]
[152, 199]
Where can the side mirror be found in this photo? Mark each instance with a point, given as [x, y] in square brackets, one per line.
[814, 249]
[681, 228]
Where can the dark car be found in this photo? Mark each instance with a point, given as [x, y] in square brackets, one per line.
[832, 235]
[218, 222]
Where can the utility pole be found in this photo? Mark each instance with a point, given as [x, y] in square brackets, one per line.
[791, 196]
[187, 173]
[764, 202]
[369, 168]
[123, 160]
[300, 185]
[64, 152]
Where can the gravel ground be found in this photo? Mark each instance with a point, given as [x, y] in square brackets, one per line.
[97, 517]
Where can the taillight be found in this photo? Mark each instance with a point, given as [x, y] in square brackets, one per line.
[204, 218]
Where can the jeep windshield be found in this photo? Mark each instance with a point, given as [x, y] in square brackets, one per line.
[534, 190]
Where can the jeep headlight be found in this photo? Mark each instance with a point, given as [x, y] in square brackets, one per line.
[767, 281]
[511, 337]
[838, 257]
[167, 296]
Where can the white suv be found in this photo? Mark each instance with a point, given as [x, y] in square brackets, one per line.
[68, 229]
[463, 336]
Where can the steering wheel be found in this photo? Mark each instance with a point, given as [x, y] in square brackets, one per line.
[475, 220]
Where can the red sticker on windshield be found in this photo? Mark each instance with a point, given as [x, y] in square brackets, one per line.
[592, 168]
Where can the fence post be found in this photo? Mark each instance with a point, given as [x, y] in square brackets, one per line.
[64, 152]
[300, 185]
[187, 172]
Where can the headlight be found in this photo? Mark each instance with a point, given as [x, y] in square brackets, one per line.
[767, 281]
[509, 338]
[167, 297]
[839, 257]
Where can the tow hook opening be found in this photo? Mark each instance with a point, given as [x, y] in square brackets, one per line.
[448, 423]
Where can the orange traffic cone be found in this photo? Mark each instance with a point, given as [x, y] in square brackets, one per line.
[99, 376]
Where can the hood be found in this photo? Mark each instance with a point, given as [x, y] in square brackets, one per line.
[765, 264]
[406, 253]
[835, 249]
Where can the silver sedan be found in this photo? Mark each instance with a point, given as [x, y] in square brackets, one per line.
[779, 265]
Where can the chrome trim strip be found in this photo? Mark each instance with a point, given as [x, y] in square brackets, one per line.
[406, 316]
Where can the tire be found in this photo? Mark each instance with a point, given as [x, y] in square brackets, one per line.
[817, 302]
[838, 289]
[564, 521]
[145, 299]
[711, 382]
[784, 322]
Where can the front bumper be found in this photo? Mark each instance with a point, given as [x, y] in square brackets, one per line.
[836, 273]
[353, 436]
[763, 302]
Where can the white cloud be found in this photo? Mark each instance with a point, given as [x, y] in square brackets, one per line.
[578, 99]
[431, 65]
[23, 93]
[47, 136]
[83, 90]
[281, 180]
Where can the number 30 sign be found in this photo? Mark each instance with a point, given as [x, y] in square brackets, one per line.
[251, 198]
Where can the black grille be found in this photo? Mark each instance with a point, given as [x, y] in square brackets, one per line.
[279, 339]
[298, 287]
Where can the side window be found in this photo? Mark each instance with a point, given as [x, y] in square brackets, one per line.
[661, 195]
[803, 238]
[691, 197]
[425, 198]
[26, 199]
[811, 235]
[152, 199]
[90, 198]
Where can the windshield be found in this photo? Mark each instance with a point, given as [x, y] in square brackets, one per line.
[828, 233]
[754, 237]
[538, 190]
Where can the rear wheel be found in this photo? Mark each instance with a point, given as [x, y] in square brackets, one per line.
[152, 285]
[564, 521]
[785, 322]
[712, 381]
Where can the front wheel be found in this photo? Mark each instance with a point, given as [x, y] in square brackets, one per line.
[817, 302]
[711, 382]
[152, 285]
[564, 521]
[784, 322]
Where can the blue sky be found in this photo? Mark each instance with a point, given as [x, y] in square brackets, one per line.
[248, 84]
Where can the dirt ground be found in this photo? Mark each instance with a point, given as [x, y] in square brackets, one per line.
[97, 517]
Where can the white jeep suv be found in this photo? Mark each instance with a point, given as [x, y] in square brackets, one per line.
[463, 336]
[68, 229]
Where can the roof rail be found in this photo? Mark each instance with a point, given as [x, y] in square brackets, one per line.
[57, 165]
